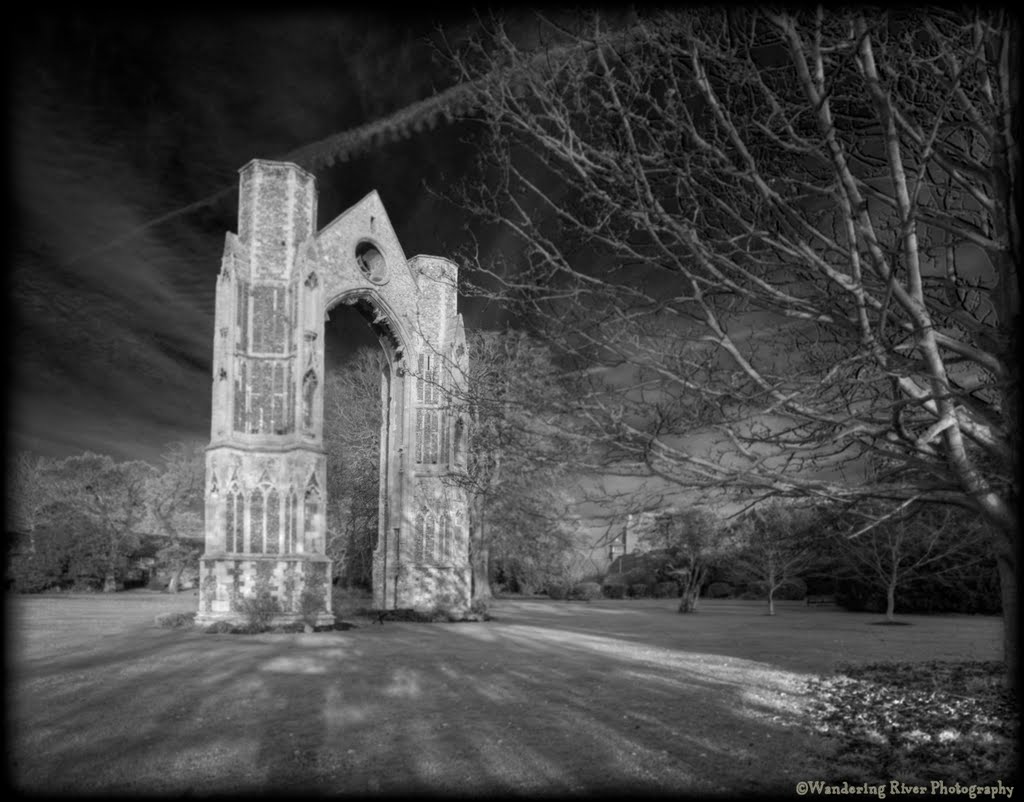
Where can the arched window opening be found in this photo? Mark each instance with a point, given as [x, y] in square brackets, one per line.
[371, 262]
[273, 531]
[257, 521]
[446, 538]
[233, 511]
[309, 385]
[291, 521]
[311, 515]
[428, 436]
[429, 542]
[428, 386]
[418, 554]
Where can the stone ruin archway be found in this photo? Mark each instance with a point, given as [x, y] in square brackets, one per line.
[266, 464]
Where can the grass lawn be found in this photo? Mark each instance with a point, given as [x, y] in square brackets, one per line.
[550, 697]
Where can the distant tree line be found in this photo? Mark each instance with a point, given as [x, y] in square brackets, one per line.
[76, 522]
[914, 559]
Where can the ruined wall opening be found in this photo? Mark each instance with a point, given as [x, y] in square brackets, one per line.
[361, 356]
[268, 498]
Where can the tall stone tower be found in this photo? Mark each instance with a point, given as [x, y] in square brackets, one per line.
[266, 484]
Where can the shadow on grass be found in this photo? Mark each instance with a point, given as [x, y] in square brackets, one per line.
[513, 705]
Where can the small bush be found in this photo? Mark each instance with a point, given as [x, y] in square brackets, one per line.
[641, 590]
[480, 607]
[720, 590]
[155, 583]
[558, 591]
[666, 590]
[175, 620]
[219, 628]
[585, 591]
[442, 614]
[259, 610]
[614, 591]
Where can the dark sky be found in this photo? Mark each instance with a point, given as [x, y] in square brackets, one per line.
[116, 121]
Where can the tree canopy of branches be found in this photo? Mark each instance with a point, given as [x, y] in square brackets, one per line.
[511, 406]
[352, 421]
[692, 539]
[112, 496]
[774, 545]
[85, 515]
[175, 503]
[891, 550]
[798, 231]
[27, 492]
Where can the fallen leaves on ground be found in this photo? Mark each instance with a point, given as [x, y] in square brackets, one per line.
[919, 721]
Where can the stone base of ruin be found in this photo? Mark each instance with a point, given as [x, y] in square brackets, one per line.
[421, 587]
[225, 580]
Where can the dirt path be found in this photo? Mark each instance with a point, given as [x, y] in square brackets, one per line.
[551, 697]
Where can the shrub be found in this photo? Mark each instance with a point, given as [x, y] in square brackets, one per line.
[641, 590]
[558, 590]
[259, 610]
[666, 590]
[175, 620]
[585, 591]
[219, 628]
[155, 583]
[720, 590]
[614, 591]
[480, 607]
[441, 614]
[30, 573]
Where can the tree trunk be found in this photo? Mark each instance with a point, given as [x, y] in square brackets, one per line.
[1006, 563]
[687, 603]
[890, 594]
[688, 599]
[480, 557]
[771, 600]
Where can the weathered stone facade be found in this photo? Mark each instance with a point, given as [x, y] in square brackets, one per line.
[266, 465]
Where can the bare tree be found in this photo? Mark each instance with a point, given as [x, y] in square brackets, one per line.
[692, 540]
[796, 235]
[773, 546]
[891, 549]
[352, 422]
[509, 410]
[28, 491]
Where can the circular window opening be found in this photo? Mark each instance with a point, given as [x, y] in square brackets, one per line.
[371, 262]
